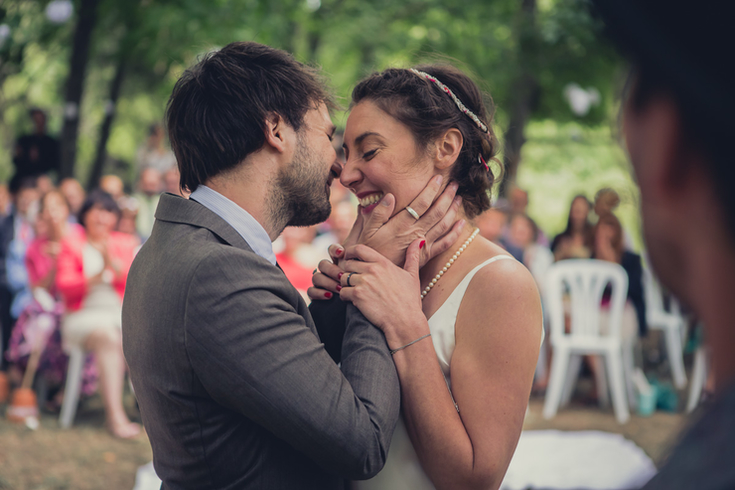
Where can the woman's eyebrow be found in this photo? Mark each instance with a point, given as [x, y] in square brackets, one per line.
[362, 137]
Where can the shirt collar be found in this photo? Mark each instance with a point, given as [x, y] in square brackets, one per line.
[242, 221]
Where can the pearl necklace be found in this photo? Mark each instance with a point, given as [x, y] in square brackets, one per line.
[449, 264]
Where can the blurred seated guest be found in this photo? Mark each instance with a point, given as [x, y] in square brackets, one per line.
[37, 153]
[518, 200]
[292, 239]
[153, 153]
[172, 182]
[44, 184]
[608, 245]
[523, 233]
[91, 275]
[113, 185]
[74, 194]
[128, 217]
[150, 186]
[5, 202]
[16, 229]
[575, 242]
[493, 226]
[607, 200]
[52, 227]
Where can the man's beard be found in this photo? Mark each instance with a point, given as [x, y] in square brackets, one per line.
[299, 196]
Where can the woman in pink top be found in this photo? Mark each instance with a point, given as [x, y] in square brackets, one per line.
[91, 275]
[40, 261]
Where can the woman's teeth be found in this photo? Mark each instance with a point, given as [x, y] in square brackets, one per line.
[371, 199]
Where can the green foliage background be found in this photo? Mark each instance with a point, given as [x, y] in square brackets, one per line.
[564, 154]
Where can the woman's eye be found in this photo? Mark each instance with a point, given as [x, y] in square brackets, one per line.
[369, 154]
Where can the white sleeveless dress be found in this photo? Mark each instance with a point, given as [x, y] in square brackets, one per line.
[402, 470]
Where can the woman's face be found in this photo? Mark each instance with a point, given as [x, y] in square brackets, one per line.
[381, 158]
[521, 232]
[580, 210]
[99, 223]
[55, 210]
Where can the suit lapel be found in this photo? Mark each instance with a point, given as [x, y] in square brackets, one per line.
[176, 209]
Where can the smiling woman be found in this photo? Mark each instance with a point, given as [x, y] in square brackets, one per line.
[407, 127]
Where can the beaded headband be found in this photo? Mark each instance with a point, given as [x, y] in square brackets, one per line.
[460, 105]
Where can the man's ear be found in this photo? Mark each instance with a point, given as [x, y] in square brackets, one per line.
[275, 132]
[448, 147]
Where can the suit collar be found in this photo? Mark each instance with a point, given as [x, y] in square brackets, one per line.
[176, 209]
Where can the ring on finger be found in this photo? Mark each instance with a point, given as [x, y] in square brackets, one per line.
[348, 279]
[412, 212]
[314, 272]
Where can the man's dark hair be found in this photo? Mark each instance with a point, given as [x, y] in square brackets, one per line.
[694, 70]
[217, 112]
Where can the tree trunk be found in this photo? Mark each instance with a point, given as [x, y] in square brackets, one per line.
[525, 95]
[75, 84]
[110, 111]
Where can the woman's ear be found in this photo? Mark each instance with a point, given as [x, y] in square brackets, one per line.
[448, 147]
[275, 132]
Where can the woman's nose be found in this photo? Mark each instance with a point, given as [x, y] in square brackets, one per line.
[351, 175]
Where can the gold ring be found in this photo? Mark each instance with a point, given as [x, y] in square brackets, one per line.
[412, 212]
[348, 279]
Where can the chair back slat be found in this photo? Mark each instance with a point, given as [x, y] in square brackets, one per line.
[585, 282]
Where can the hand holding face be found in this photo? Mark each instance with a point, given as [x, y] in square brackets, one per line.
[391, 236]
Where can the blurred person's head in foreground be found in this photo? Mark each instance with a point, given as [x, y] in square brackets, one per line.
[677, 124]
[247, 110]
[74, 194]
[113, 185]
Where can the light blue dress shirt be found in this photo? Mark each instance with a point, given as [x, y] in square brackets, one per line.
[247, 226]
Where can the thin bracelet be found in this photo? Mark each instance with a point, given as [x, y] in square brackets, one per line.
[410, 343]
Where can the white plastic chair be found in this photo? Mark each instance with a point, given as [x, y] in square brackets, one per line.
[670, 322]
[586, 280]
[699, 377]
[73, 385]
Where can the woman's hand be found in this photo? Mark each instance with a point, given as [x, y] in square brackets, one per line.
[388, 296]
[325, 279]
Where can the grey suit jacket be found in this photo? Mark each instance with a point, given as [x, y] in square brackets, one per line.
[234, 386]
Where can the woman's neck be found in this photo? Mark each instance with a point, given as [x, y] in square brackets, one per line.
[432, 267]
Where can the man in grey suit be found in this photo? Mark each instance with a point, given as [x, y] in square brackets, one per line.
[234, 386]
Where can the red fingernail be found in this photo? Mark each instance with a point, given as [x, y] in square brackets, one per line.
[339, 276]
[338, 251]
[328, 295]
[421, 245]
[339, 288]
